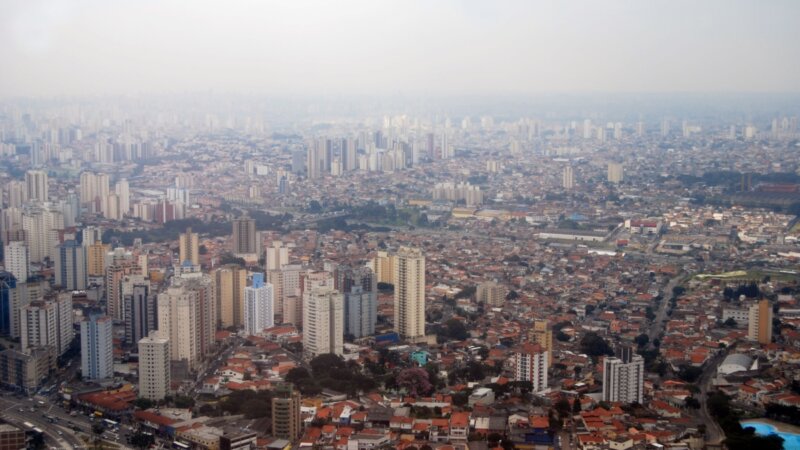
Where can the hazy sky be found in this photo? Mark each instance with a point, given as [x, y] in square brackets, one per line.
[372, 47]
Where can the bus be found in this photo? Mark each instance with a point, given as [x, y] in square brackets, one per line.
[178, 445]
[28, 425]
[110, 423]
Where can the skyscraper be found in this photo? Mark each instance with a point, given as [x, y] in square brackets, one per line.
[38, 222]
[244, 236]
[531, 364]
[97, 356]
[187, 317]
[360, 287]
[36, 185]
[623, 377]
[189, 247]
[122, 190]
[409, 293]
[15, 259]
[230, 282]
[8, 296]
[615, 173]
[71, 266]
[96, 259]
[140, 311]
[323, 321]
[286, 422]
[567, 178]
[154, 367]
[759, 327]
[258, 306]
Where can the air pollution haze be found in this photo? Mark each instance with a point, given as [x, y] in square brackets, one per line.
[94, 47]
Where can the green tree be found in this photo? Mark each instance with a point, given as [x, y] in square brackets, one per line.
[142, 440]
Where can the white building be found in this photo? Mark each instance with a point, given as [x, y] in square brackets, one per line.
[97, 348]
[16, 260]
[154, 367]
[36, 185]
[277, 256]
[409, 293]
[258, 306]
[323, 321]
[531, 364]
[623, 377]
[46, 323]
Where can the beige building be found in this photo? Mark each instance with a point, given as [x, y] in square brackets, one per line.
[286, 422]
[154, 368]
[491, 294]
[383, 266]
[542, 335]
[409, 293]
[615, 172]
[187, 317]
[229, 284]
[323, 321]
[760, 324]
[96, 259]
[189, 247]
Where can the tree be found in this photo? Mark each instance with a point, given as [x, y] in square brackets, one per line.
[642, 340]
[296, 374]
[576, 406]
[325, 363]
[594, 345]
[256, 408]
[690, 374]
[415, 380]
[182, 401]
[730, 322]
[142, 440]
[143, 403]
[97, 430]
[691, 402]
[512, 295]
[455, 329]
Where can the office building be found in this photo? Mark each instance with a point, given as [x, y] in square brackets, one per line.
[286, 422]
[189, 248]
[140, 310]
[360, 288]
[409, 293]
[154, 367]
[615, 173]
[258, 306]
[323, 321]
[230, 282]
[531, 364]
[8, 298]
[97, 348]
[759, 327]
[244, 236]
[623, 377]
[15, 259]
[36, 186]
[71, 266]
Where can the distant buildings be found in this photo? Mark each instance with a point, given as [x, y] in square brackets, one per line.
[568, 178]
[409, 293]
[623, 377]
[615, 173]
[97, 355]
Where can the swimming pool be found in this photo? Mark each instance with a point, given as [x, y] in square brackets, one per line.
[791, 441]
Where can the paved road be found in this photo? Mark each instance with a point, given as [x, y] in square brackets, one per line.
[714, 433]
[657, 327]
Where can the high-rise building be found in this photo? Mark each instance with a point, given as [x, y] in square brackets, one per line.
[97, 348]
[187, 317]
[383, 266]
[541, 334]
[71, 266]
[568, 178]
[119, 264]
[36, 185]
[530, 364]
[760, 323]
[122, 191]
[8, 298]
[39, 221]
[154, 367]
[277, 256]
[615, 173]
[623, 377]
[96, 259]
[23, 295]
[47, 323]
[244, 236]
[286, 422]
[94, 190]
[409, 293]
[15, 259]
[491, 294]
[230, 282]
[323, 321]
[258, 306]
[140, 311]
[360, 287]
[189, 247]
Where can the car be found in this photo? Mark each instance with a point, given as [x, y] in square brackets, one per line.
[60, 433]
[21, 410]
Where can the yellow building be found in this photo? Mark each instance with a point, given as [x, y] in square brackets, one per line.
[96, 259]
[383, 266]
[229, 284]
[542, 335]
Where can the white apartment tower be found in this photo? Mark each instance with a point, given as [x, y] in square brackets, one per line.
[16, 260]
[323, 321]
[623, 377]
[97, 348]
[258, 306]
[36, 185]
[154, 367]
[531, 364]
